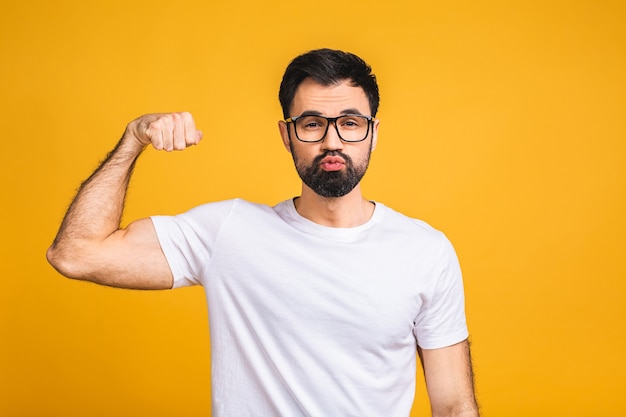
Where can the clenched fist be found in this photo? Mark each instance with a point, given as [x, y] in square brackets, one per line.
[165, 131]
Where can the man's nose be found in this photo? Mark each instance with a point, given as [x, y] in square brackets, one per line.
[332, 141]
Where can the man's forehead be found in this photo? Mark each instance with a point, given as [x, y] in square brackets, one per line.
[342, 96]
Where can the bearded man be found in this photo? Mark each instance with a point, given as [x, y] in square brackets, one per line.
[319, 305]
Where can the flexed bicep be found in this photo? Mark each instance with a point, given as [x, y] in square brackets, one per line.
[133, 258]
[90, 244]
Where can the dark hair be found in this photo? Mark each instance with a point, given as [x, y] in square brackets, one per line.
[328, 67]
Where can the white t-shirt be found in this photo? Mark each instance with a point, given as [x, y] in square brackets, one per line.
[308, 320]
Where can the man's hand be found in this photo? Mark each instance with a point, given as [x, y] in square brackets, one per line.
[164, 131]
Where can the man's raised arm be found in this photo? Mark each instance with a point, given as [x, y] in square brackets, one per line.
[90, 244]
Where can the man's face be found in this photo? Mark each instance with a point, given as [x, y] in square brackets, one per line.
[331, 167]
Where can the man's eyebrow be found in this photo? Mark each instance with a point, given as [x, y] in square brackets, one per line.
[311, 113]
[350, 111]
[318, 113]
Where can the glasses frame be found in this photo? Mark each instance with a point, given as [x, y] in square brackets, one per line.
[331, 120]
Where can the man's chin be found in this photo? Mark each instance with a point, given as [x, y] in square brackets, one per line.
[330, 190]
[331, 184]
[331, 194]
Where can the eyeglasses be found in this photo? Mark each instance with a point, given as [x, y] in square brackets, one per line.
[349, 127]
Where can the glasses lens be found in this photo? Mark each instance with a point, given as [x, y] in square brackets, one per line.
[311, 128]
[351, 128]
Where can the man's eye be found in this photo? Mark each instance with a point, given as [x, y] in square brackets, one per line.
[351, 122]
[311, 123]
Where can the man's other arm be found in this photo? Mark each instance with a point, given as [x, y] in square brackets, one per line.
[450, 380]
[90, 244]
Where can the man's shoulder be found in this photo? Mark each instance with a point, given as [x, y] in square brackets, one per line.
[402, 220]
[235, 209]
[229, 205]
[414, 232]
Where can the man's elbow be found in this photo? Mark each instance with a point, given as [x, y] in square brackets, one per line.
[467, 409]
[66, 261]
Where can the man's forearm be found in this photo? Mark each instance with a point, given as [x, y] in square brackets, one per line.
[96, 211]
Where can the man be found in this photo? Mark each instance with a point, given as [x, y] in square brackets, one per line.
[319, 305]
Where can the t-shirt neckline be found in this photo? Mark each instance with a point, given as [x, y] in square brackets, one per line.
[287, 211]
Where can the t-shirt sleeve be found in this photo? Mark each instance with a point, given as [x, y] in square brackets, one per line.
[188, 240]
[442, 321]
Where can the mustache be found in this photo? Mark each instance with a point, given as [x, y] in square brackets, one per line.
[318, 159]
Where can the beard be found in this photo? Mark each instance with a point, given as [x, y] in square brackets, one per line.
[332, 183]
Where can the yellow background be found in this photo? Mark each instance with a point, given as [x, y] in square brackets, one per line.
[503, 124]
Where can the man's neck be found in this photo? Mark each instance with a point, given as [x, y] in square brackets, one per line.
[351, 210]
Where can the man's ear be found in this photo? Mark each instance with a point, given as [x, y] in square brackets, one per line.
[284, 134]
[375, 133]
